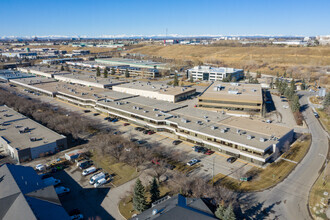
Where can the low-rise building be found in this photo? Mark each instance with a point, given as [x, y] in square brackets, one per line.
[176, 208]
[209, 73]
[133, 63]
[24, 195]
[156, 91]
[20, 54]
[233, 98]
[6, 75]
[24, 139]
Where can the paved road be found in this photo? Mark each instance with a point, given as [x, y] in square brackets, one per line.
[289, 199]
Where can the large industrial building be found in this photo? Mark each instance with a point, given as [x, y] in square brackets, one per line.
[24, 139]
[133, 63]
[209, 73]
[6, 75]
[156, 91]
[42, 71]
[250, 140]
[233, 98]
[20, 54]
[24, 195]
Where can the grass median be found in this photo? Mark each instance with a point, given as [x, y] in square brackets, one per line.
[271, 175]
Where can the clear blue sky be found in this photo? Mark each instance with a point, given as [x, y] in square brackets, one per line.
[152, 17]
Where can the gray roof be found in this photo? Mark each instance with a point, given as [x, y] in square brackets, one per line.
[23, 195]
[178, 207]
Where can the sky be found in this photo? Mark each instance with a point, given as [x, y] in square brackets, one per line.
[153, 17]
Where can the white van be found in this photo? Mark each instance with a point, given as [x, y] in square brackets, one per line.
[96, 177]
[100, 182]
[51, 181]
[61, 190]
[89, 171]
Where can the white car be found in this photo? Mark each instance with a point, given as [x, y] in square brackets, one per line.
[89, 171]
[96, 177]
[193, 162]
[40, 167]
[77, 217]
[100, 182]
[61, 190]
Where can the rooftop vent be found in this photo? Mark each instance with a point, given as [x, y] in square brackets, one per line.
[145, 111]
[184, 120]
[158, 115]
[205, 116]
[249, 137]
[262, 139]
[213, 127]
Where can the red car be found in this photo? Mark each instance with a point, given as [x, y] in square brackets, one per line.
[126, 124]
[151, 132]
[209, 152]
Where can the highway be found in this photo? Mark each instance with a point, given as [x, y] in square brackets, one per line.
[289, 199]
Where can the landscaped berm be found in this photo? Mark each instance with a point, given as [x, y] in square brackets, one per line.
[260, 179]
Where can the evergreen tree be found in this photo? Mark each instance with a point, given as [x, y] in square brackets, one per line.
[219, 213]
[229, 213]
[139, 200]
[284, 74]
[191, 79]
[326, 101]
[289, 92]
[176, 80]
[154, 191]
[295, 105]
[293, 85]
[113, 71]
[303, 85]
[105, 73]
[62, 68]
[98, 72]
[126, 73]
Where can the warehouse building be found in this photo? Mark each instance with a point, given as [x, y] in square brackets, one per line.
[20, 54]
[24, 139]
[36, 85]
[24, 195]
[43, 71]
[209, 73]
[233, 98]
[6, 75]
[133, 63]
[156, 91]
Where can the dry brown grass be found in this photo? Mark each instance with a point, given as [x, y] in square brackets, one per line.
[270, 59]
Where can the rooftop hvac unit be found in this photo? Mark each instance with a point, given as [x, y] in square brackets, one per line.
[155, 109]
[145, 111]
[249, 137]
[238, 131]
[205, 116]
[207, 120]
[262, 139]
[213, 127]
[158, 115]
[184, 120]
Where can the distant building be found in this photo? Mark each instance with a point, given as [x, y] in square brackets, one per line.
[323, 40]
[155, 91]
[133, 63]
[177, 208]
[7, 75]
[214, 74]
[80, 52]
[23, 195]
[20, 54]
[24, 139]
[233, 98]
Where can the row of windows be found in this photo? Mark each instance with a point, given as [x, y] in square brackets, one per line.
[231, 108]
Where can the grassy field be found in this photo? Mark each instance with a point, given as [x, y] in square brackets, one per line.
[121, 171]
[126, 204]
[324, 118]
[272, 174]
[317, 200]
[270, 59]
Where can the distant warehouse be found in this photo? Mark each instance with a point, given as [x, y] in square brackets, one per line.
[208, 73]
[24, 139]
[233, 98]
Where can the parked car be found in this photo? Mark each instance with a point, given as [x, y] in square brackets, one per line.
[141, 142]
[96, 114]
[126, 124]
[88, 171]
[209, 152]
[96, 177]
[197, 148]
[231, 159]
[87, 111]
[83, 160]
[85, 165]
[151, 132]
[51, 181]
[137, 128]
[133, 140]
[203, 150]
[316, 114]
[40, 167]
[193, 162]
[114, 120]
[45, 176]
[146, 131]
[176, 142]
[100, 182]
[61, 190]
[107, 118]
